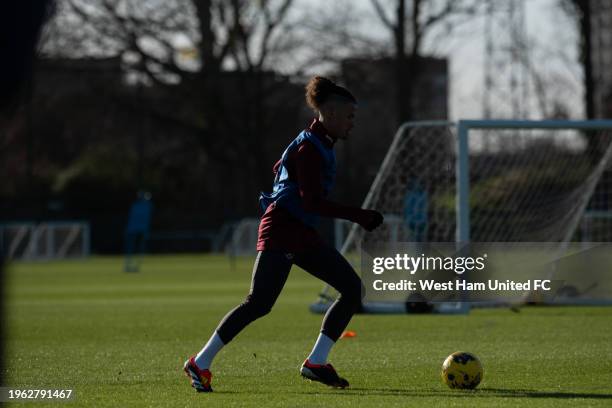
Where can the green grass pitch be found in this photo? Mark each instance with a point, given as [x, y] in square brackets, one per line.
[120, 339]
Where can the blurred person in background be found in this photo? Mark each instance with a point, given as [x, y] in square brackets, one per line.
[137, 231]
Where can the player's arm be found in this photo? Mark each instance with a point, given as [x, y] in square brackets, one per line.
[308, 166]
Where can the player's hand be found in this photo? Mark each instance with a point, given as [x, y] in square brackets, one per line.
[370, 219]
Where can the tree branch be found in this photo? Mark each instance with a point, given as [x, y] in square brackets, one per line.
[270, 26]
[381, 14]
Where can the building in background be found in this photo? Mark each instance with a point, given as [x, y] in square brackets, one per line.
[373, 83]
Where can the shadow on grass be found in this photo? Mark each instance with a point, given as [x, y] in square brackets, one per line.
[478, 393]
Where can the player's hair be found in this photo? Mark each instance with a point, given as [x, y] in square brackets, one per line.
[320, 90]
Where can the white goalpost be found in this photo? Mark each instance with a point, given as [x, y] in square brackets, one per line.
[485, 181]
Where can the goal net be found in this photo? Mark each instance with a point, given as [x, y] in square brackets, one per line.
[489, 181]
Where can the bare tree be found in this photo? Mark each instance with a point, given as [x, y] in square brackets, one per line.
[409, 23]
[202, 67]
[581, 11]
[332, 32]
[153, 37]
[236, 32]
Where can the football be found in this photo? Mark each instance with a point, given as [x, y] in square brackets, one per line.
[462, 370]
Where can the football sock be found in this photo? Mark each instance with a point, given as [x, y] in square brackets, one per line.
[321, 350]
[205, 357]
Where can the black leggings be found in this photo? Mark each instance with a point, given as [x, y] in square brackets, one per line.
[270, 273]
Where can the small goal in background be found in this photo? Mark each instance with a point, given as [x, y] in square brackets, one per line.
[45, 240]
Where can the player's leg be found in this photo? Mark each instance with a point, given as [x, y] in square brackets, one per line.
[129, 265]
[330, 266]
[270, 273]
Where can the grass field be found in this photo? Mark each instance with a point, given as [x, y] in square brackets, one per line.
[119, 340]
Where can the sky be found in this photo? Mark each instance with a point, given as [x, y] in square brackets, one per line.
[552, 42]
[542, 26]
